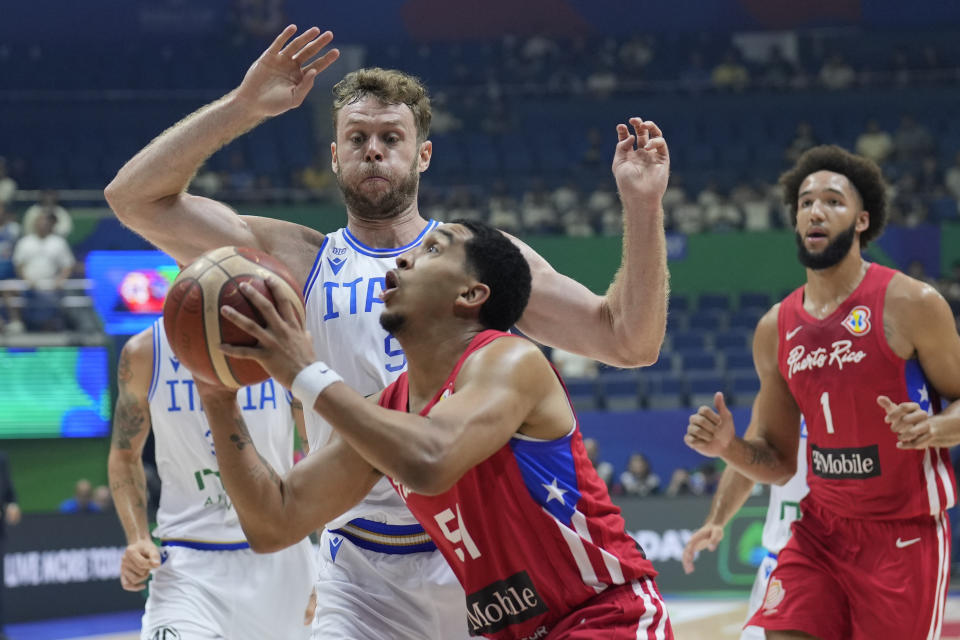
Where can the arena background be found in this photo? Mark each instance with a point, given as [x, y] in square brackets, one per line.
[526, 98]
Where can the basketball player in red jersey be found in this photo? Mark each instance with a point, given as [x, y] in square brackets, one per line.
[863, 352]
[483, 446]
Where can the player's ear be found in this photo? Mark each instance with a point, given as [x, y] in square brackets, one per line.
[474, 296]
[426, 153]
[334, 162]
[863, 221]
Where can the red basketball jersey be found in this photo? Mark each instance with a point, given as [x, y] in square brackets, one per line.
[530, 532]
[835, 368]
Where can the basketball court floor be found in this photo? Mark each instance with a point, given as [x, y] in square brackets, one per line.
[693, 619]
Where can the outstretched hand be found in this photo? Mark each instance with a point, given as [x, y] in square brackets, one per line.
[710, 432]
[641, 163]
[284, 347]
[283, 75]
[706, 537]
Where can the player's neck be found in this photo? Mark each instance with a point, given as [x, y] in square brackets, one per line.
[827, 288]
[432, 353]
[387, 233]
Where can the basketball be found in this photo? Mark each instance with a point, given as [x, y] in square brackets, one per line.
[191, 313]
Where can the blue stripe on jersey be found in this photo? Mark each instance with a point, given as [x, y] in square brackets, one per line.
[387, 529]
[314, 270]
[917, 388]
[550, 474]
[156, 360]
[359, 247]
[803, 427]
[206, 546]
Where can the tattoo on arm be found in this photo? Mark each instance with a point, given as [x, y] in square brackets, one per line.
[128, 423]
[296, 404]
[761, 456]
[243, 439]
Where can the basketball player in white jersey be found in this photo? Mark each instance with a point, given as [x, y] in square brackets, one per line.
[783, 509]
[207, 582]
[380, 575]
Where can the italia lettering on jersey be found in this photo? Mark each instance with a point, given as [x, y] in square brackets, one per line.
[193, 503]
[342, 295]
[530, 532]
[835, 368]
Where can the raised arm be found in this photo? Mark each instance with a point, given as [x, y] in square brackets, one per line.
[771, 456]
[625, 327]
[128, 485]
[149, 192]
[926, 323]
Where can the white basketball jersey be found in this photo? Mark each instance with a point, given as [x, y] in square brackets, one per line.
[342, 295]
[785, 500]
[193, 503]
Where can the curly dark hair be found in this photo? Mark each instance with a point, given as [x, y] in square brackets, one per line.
[863, 174]
[498, 263]
[389, 86]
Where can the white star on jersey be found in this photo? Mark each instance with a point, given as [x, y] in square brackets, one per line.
[924, 395]
[554, 492]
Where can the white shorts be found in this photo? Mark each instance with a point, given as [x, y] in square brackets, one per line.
[757, 594]
[231, 595]
[368, 594]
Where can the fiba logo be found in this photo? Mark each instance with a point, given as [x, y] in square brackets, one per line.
[165, 633]
[857, 321]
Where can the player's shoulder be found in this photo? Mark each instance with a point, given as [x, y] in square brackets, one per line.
[504, 358]
[294, 244]
[909, 297]
[140, 345]
[769, 320]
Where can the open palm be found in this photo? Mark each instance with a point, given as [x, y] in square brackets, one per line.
[283, 75]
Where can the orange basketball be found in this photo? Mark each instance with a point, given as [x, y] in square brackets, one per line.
[191, 312]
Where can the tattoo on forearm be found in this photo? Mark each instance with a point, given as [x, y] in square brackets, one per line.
[243, 439]
[761, 456]
[127, 423]
[124, 370]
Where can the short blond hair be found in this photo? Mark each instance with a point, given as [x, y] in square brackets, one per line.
[389, 86]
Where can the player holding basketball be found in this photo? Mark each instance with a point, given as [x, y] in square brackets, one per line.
[207, 583]
[784, 507]
[489, 458]
[859, 350]
[380, 575]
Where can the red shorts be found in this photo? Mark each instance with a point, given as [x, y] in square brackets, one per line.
[626, 612]
[849, 579]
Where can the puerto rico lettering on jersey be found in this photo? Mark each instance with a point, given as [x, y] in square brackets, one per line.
[840, 353]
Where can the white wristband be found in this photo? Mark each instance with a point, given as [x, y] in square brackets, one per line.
[311, 381]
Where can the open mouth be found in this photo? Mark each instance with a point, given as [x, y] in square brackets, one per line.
[816, 236]
[391, 282]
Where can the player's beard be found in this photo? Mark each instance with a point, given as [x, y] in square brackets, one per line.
[392, 322]
[831, 255]
[389, 205]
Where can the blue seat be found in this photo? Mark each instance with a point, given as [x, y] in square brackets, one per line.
[713, 302]
[698, 361]
[746, 320]
[708, 321]
[583, 393]
[744, 387]
[667, 391]
[738, 359]
[620, 390]
[753, 300]
[731, 339]
[702, 387]
[688, 340]
[678, 302]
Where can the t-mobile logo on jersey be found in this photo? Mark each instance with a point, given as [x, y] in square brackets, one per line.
[503, 603]
[846, 464]
[841, 354]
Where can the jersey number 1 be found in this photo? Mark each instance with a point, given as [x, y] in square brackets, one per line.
[825, 403]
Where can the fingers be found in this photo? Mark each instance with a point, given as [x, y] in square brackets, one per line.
[323, 61]
[244, 353]
[308, 48]
[886, 403]
[901, 411]
[277, 45]
[642, 133]
[623, 134]
[243, 322]
[297, 45]
[721, 404]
